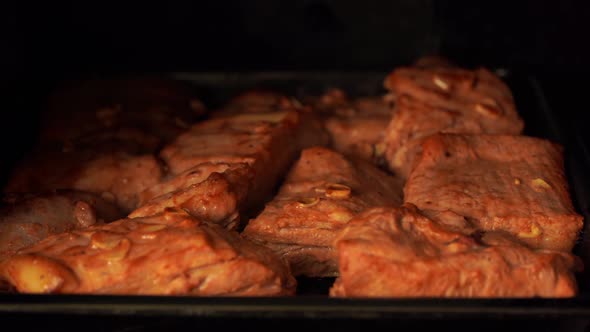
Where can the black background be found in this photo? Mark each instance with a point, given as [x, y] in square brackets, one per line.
[80, 37]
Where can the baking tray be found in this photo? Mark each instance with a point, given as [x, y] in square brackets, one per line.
[312, 302]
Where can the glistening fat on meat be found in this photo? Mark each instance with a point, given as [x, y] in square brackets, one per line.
[261, 145]
[514, 184]
[397, 252]
[26, 219]
[170, 253]
[322, 192]
[445, 99]
[356, 125]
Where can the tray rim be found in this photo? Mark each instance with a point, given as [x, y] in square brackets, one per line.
[294, 307]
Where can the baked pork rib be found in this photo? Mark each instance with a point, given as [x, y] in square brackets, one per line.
[396, 252]
[26, 219]
[355, 125]
[322, 192]
[514, 184]
[429, 100]
[219, 198]
[117, 175]
[258, 146]
[170, 253]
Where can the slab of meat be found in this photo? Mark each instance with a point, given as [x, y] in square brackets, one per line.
[514, 184]
[389, 252]
[190, 177]
[116, 175]
[219, 198]
[266, 142]
[357, 125]
[322, 192]
[263, 140]
[28, 218]
[170, 253]
[448, 100]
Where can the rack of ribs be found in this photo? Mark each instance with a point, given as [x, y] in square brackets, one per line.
[514, 184]
[356, 125]
[397, 252]
[248, 153]
[26, 219]
[128, 257]
[321, 193]
[445, 99]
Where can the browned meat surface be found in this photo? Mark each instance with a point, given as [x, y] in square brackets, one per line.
[266, 142]
[120, 177]
[322, 192]
[166, 254]
[219, 198]
[251, 138]
[448, 100]
[358, 136]
[27, 218]
[356, 126]
[514, 184]
[161, 106]
[115, 175]
[190, 177]
[468, 91]
[389, 252]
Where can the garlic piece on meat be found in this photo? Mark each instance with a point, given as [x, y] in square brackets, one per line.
[535, 232]
[148, 231]
[336, 190]
[119, 252]
[455, 247]
[487, 110]
[340, 216]
[307, 201]
[540, 184]
[34, 274]
[105, 240]
[150, 228]
[399, 156]
[440, 83]
[379, 150]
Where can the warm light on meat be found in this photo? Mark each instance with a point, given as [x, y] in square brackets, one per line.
[170, 253]
[388, 252]
[322, 192]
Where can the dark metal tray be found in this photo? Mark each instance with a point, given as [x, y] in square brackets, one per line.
[312, 302]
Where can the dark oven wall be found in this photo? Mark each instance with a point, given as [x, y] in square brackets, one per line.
[95, 36]
[47, 42]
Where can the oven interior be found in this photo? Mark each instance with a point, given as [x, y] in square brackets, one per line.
[303, 47]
